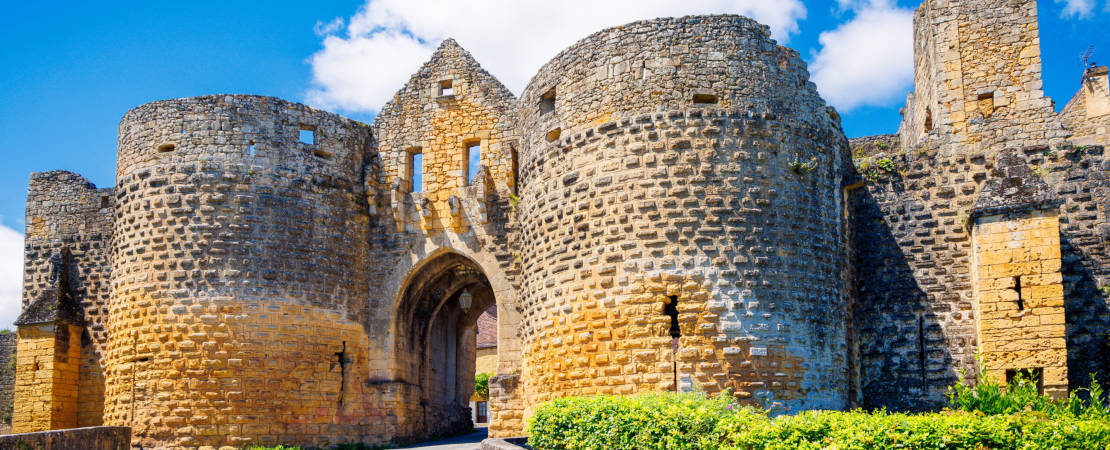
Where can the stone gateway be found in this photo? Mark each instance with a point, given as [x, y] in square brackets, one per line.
[669, 205]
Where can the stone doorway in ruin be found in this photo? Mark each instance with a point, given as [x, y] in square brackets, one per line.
[435, 345]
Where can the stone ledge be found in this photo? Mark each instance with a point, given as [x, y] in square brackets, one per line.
[513, 443]
[92, 438]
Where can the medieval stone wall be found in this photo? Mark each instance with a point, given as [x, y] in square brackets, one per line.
[957, 99]
[669, 206]
[455, 234]
[66, 211]
[7, 378]
[239, 306]
[682, 198]
[914, 306]
[1087, 114]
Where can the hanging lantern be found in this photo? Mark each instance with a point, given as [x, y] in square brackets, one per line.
[465, 299]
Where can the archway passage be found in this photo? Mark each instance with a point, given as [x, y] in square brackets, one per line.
[435, 344]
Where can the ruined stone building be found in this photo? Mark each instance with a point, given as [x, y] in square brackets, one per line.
[668, 205]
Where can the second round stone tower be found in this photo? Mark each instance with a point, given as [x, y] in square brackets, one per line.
[682, 216]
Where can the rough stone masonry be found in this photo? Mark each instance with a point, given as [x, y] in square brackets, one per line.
[669, 205]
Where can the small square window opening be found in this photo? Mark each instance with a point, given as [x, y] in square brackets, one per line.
[446, 88]
[307, 135]
[547, 101]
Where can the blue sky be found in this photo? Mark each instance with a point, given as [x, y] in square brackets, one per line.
[69, 70]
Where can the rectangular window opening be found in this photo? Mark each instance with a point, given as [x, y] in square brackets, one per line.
[547, 101]
[446, 87]
[705, 99]
[986, 103]
[415, 175]
[921, 349]
[250, 148]
[307, 134]
[1020, 300]
[1035, 375]
[671, 310]
[473, 160]
[516, 170]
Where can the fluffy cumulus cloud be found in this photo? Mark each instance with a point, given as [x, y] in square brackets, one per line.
[11, 275]
[1080, 9]
[367, 58]
[868, 60]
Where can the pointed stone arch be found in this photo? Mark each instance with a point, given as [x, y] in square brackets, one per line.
[428, 345]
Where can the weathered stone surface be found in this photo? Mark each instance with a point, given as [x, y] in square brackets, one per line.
[1013, 187]
[91, 438]
[668, 206]
[7, 378]
[1087, 114]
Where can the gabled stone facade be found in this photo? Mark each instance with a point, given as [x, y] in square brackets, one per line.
[669, 205]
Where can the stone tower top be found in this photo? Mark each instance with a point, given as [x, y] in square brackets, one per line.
[977, 72]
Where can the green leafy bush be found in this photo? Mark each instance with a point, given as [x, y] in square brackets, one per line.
[988, 396]
[693, 421]
[481, 384]
[663, 421]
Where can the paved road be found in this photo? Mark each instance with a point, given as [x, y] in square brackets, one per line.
[470, 441]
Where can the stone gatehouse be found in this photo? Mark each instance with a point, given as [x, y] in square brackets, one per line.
[669, 205]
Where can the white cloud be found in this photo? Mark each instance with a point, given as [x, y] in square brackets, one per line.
[1079, 9]
[323, 29]
[11, 276]
[362, 66]
[867, 60]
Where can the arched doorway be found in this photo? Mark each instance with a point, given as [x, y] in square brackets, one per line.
[434, 342]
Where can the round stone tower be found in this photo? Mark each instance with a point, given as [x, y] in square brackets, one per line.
[240, 275]
[683, 219]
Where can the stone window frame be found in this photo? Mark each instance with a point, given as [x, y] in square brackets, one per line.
[313, 129]
[446, 88]
[548, 101]
[985, 95]
[410, 174]
[468, 143]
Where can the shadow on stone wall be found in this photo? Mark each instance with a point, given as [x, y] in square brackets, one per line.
[904, 355]
[1088, 319]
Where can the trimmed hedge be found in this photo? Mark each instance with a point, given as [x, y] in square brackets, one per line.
[693, 421]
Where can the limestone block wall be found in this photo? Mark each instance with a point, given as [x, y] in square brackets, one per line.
[1087, 114]
[658, 194]
[914, 308]
[978, 77]
[7, 376]
[448, 105]
[1019, 296]
[47, 367]
[238, 312]
[64, 210]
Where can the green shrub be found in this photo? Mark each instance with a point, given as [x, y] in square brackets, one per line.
[663, 421]
[693, 421]
[481, 384]
[989, 396]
